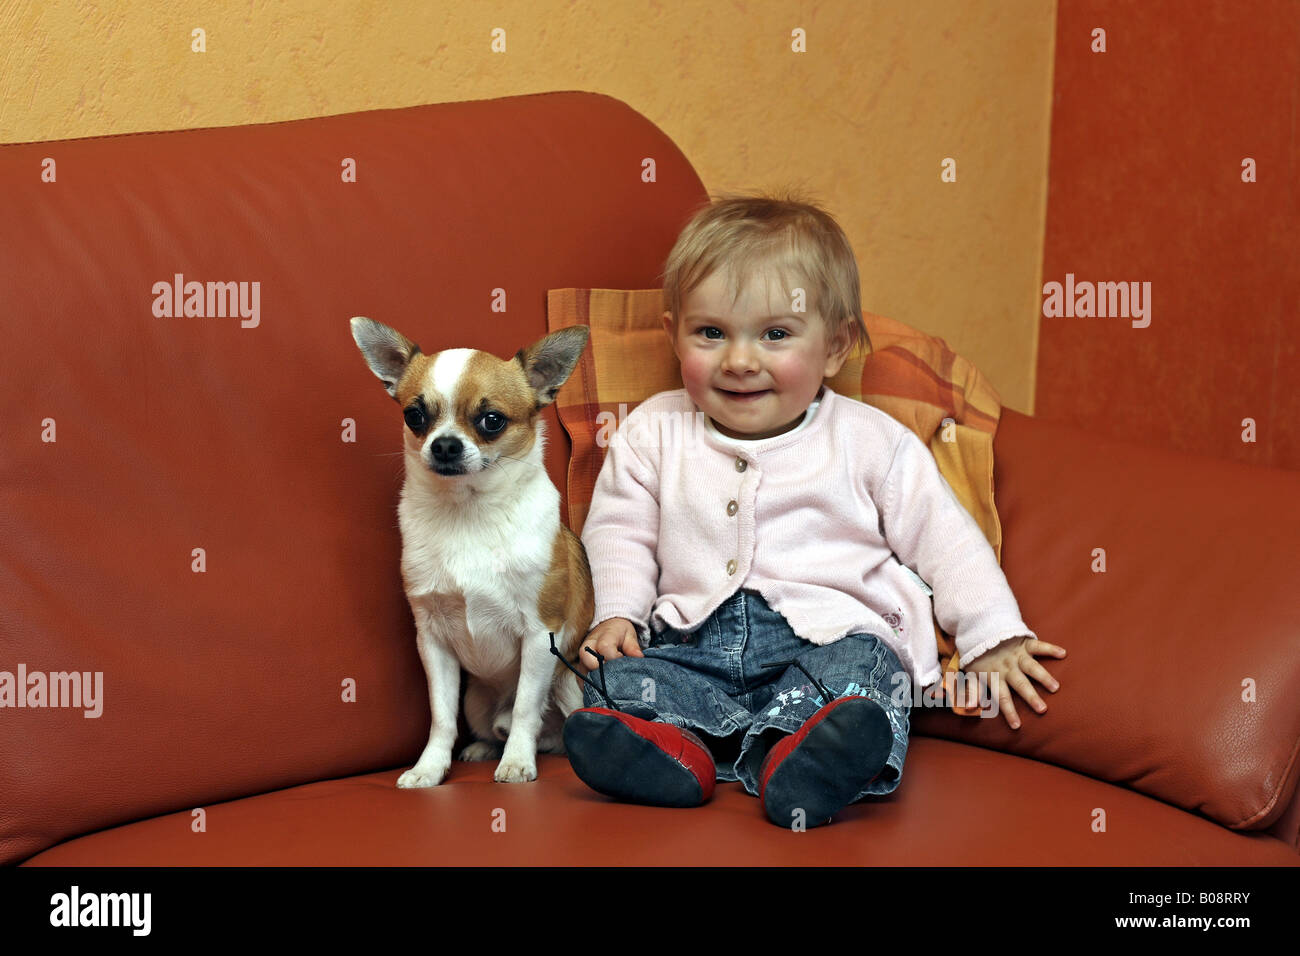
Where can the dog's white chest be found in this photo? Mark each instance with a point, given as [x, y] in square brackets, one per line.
[479, 586]
[482, 633]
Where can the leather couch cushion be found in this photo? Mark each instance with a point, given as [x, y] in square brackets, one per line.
[557, 821]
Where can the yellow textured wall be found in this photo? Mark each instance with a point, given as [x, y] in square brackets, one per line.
[886, 90]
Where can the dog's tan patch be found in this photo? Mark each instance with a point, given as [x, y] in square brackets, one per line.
[491, 384]
[566, 596]
[413, 379]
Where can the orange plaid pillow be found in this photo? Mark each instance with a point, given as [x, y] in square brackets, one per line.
[913, 377]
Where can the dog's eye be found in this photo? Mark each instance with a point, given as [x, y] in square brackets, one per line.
[415, 419]
[491, 423]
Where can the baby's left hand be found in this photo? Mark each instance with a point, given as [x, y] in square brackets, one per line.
[1012, 660]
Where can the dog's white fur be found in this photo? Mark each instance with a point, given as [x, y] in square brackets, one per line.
[477, 549]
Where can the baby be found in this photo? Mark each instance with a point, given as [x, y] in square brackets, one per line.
[748, 533]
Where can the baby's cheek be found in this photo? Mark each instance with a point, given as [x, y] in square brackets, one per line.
[797, 366]
[695, 376]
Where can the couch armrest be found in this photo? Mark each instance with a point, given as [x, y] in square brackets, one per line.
[1171, 581]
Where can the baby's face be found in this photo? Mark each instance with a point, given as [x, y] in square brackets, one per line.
[753, 369]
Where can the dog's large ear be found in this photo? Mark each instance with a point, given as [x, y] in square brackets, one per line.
[549, 363]
[387, 351]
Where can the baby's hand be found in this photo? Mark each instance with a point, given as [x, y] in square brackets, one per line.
[611, 638]
[1011, 661]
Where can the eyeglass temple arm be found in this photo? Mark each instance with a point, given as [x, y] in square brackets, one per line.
[826, 694]
[582, 677]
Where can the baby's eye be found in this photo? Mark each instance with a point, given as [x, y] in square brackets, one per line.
[707, 329]
[779, 334]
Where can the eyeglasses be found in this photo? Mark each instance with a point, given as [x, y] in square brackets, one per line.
[827, 696]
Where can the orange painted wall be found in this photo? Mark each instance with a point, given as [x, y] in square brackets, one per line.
[863, 115]
[1145, 183]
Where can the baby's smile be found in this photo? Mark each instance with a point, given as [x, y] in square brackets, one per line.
[743, 397]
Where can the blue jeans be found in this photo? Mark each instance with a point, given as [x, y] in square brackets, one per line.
[711, 681]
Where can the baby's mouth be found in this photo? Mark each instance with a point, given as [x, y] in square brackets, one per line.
[744, 396]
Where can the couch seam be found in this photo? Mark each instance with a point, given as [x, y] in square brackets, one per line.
[1295, 749]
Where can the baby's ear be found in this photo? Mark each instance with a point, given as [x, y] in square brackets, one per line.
[670, 330]
[837, 350]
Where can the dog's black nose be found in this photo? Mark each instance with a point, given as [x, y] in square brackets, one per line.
[445, 449]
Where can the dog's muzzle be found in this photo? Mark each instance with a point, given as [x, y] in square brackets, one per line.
[446, 454]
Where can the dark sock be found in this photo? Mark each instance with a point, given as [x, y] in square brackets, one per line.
[766, 740]
[725, 750]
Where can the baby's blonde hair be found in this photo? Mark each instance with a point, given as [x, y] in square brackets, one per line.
[741, 232]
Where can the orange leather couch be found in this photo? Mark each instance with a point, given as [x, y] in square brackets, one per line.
[201, 509]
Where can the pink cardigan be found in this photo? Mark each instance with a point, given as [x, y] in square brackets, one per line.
[816, 520]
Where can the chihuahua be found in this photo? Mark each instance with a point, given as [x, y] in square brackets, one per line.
[490, 572]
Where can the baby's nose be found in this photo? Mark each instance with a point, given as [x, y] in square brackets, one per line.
[740, 358]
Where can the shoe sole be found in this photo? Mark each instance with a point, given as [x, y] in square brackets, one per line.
[818, 781]
[613, 759]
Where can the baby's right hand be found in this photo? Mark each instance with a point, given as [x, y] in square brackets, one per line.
[611, 638]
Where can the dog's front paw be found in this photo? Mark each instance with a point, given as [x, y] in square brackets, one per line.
[419, 776]
[515, 771]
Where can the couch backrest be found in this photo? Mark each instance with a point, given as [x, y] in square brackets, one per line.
[129, 440]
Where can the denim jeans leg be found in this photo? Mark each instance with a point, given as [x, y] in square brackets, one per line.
[684, 679]
[655, 689]
[772, 644]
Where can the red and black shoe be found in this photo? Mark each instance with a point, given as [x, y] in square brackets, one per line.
[823, 765]
[643, 761]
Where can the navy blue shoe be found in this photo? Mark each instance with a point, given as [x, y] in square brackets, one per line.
[827, 762]
[639, 760]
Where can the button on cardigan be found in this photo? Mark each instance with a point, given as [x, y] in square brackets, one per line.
[819, 520]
